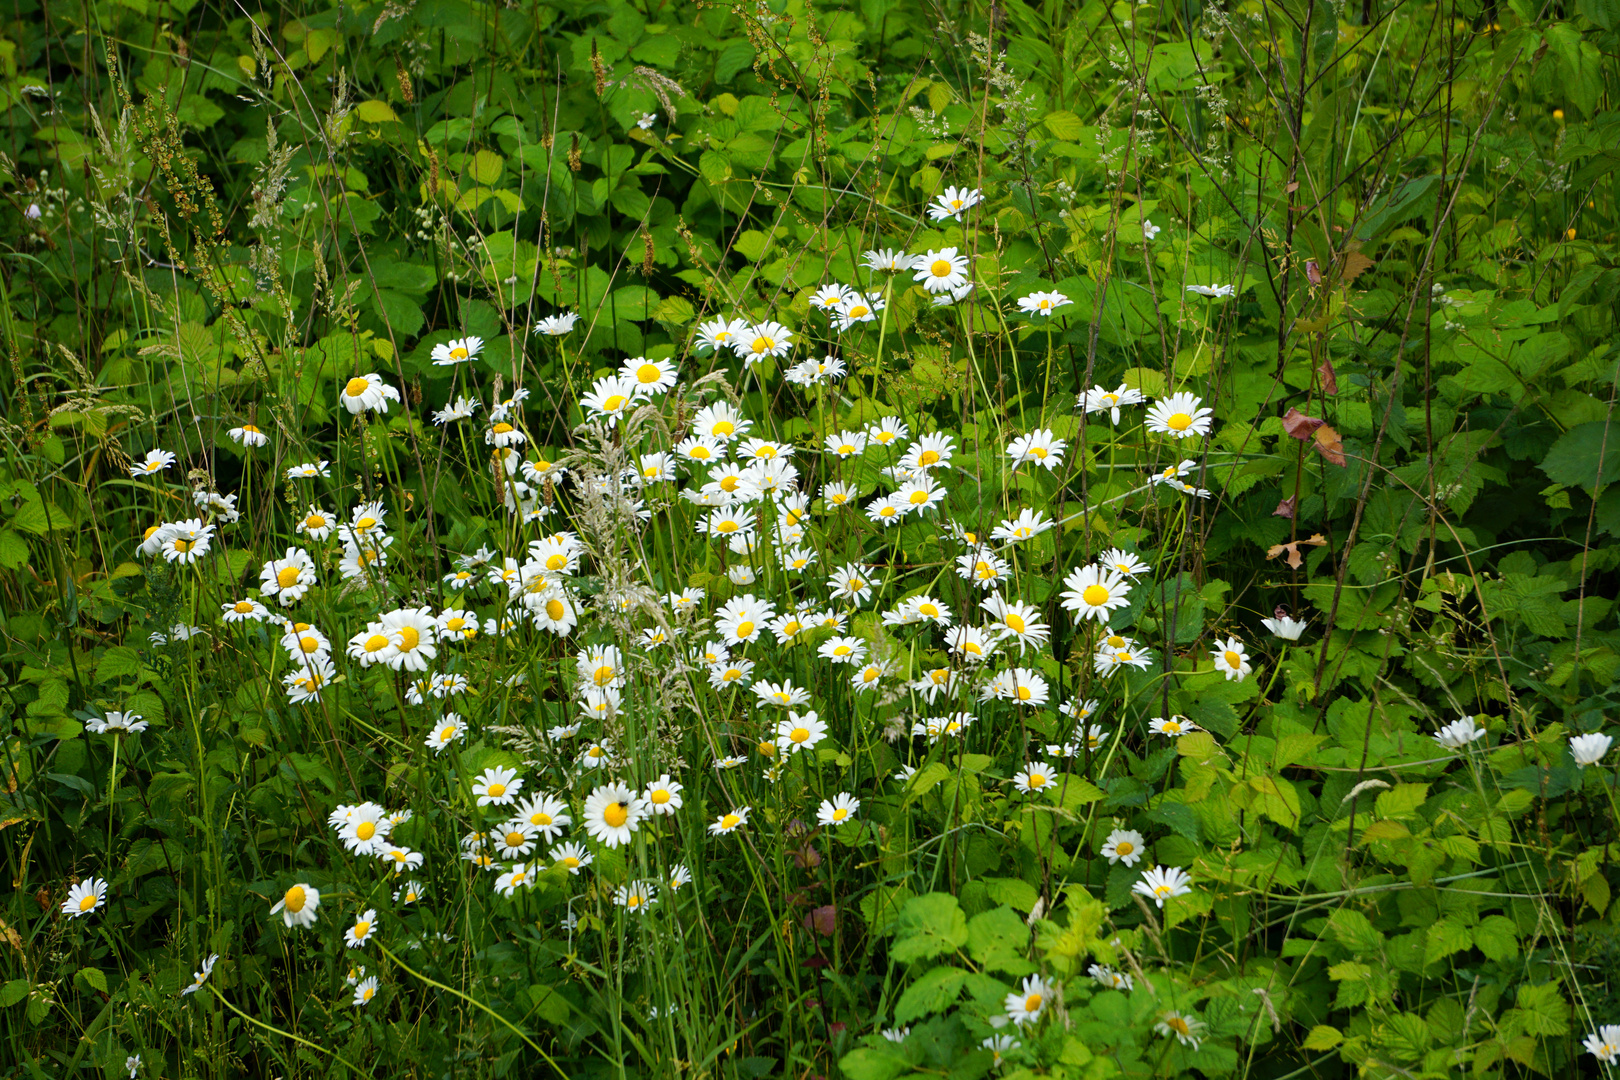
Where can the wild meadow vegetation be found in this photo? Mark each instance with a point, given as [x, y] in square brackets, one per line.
[653, 538]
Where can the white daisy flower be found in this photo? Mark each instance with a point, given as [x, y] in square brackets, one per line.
[1160, 884]
[85, 897]
[363, 930]
[458, 351]
[365, 393]
[1123, 846]
[153, 463]
[729, 822]
[1231, 659]
[1094, 592]
[1180, 416]
[298, 905]
[838, 810]
[248, 435]
[1026, 1005]
[612, 814]
[941, 271]
[953, 202]
[557, 325]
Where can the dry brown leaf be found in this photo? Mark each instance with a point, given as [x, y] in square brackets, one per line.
[1329, 377]
[1355, 264]
[1295, 558]
[1329, 443]
[1286, 508]
[1300, 426]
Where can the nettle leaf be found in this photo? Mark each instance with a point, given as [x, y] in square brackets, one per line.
[933, 993]
[1584, 455]
[928, 926]
[997, 939]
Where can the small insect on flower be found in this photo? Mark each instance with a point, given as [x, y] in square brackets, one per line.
[1123, 846]
[1457, 735]
[1160, 884]
[458, 351]
[838, 810]
[298, 905]
[1231, 660]
[1181, 416]
[85, 897]
[1026, 1005]
[363, 930]
[248, 435]
[153, 463]
[612, 814]
[729, 822]
[1586, 749]
[365, 393]
[200, 977]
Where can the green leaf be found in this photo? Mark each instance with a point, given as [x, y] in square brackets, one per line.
[402, 314]
[376, 112]
[1497, 936]
[874, 1063]
[13, 992]
[118, 663]
[928, 926]
[318, 44]
[1581, 63]
[1180, 817]
[1583, 455]
[93, 978]
[13, 550]
[1445, 938]
[933, 993]
[1323, 1037]
[1065, 125]
[1355, 932]
[997, 940]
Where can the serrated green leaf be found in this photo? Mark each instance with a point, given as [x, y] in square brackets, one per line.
[928, 926]
[933, 993]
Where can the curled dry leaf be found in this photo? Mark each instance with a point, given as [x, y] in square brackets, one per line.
[1329, 443]
[1328, 377]
[1296, 558]
[1300, 426]
[1286, 508]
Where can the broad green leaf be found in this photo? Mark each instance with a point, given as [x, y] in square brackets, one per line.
[928, 926]
[933, 993]
[1584, 455]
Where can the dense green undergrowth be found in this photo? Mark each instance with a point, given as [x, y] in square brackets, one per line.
[673, 539]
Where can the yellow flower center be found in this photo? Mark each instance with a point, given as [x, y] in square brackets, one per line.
[1179, 422]
[287, 577]
[616, 814]
[88, 902]
[729, 821]
[458, 353]
[242, 607]
[940, 268]
[502, 428]
[698, 453]
[497, 790]
[184, 546]
[723, 427]
[556, 562]
[614, 403]
[455, 624]
[888, 511]
[744, 629]
[648, 373]
[555, 609]
[603, 675]
[356, 386]
[799, 735]
[791, 627]
[409, 638]
[447, 733]
[515, 839]
[1038, 452]
[928, 457]
[315, 521]
[150, 529]
[367, 992]
[633, 900]
[1115, 641]
[763, 344]
[570, 861]
[973, 647]
[840, 814]
[294, 899]
[361, 929]
[309, 644]
[1178, 1025]
[376, 643]
[1233, 659]
[660, 797]
[1172, 726]
[1015, 623]
[1033, 1003]
[1024, 694]
[859, 311]
[729, 484]
[1095, 595]
[539, 819]
[1124, 847]
[250, 429]
[767, 749]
